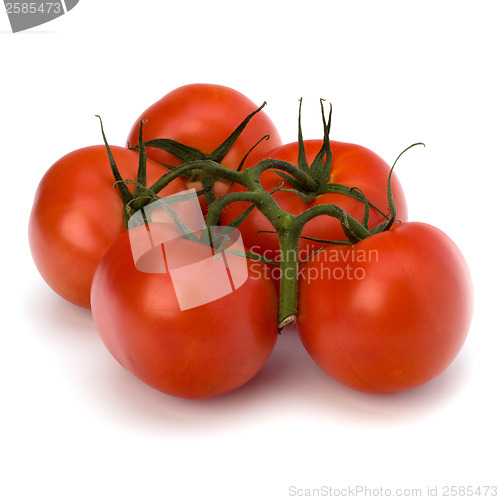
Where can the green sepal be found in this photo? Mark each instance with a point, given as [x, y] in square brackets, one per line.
[125, 193]
[365, 218]
[305, 197]
[186, 154]
[224, 148]
[383, 226]
[288, 178]
[253, 256]
[183, 230]
[391, 203]
[245, 157]
[320, 169]
[387, 224]
[302, 157]
[206, 234]
[353, 192]
[241, 217]
[142, 170]
[352, 238]
[326, 242]
[353, 229]
[311, 256]
[183, 153]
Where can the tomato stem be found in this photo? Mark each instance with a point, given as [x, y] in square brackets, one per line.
[288, 228]
[289, 238]
[310, 180]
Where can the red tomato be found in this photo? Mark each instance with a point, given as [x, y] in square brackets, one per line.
[202, 351]
[352, 166]
[202, 116]
[389, 313]
[77, 213]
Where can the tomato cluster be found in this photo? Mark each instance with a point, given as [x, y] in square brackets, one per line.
[199, 241]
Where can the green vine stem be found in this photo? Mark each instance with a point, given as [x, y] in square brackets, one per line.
[249, 178]
[288, 228]
[309, 180]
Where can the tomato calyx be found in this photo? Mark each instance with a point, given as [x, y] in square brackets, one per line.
[125, 193]
[142, 195]
[141, 190]
[355, 233]
[320, 168]
[187, 154]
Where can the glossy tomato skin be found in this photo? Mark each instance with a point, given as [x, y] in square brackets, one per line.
[195, 353]
[388, 314]
[352, 166]
[77, 213]
[202, 116]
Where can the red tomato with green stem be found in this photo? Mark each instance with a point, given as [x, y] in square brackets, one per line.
[77, 213]
[389, 313]
[198, 352]
[201, 117]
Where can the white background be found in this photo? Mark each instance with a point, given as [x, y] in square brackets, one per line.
[74, 424]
